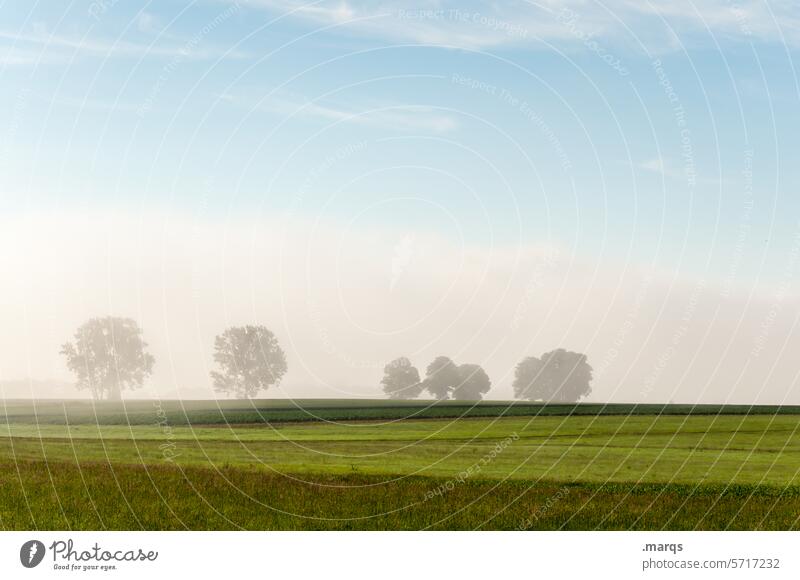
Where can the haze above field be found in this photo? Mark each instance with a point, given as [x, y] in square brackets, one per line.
[465, 180]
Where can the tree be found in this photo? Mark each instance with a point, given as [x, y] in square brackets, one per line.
[401, 379]
[527, 380]
[558, 376]
[473, 383]
[441, 377]
[108, 356]
[250, 360]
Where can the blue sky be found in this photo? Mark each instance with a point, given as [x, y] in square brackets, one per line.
[169, 103]
[649, 134]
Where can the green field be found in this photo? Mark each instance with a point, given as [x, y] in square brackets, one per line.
[285, 410]
[380, 465]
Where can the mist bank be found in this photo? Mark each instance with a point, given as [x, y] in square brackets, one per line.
[344, 300]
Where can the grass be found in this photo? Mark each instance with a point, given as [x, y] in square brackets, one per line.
[725, 449]
[65, 496]
[642, 471]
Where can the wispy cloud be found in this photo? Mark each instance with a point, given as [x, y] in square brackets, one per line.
[657, 24]
[664, 168]
[50, 43]
[148, 23]
[95, 105]
[398, 117]
[427, 22]
[670, 169]
[13, 56]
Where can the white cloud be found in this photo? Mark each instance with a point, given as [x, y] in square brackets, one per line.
[393, 116]
[148, 23]
[487, 24]
[655, 165]
[12, 56]
[51, 45]
[662, 167]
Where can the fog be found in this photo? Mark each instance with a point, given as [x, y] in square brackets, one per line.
[344, 301]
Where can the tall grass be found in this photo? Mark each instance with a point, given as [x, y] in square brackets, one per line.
[63, 496]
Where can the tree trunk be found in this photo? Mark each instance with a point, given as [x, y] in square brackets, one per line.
[114, 393]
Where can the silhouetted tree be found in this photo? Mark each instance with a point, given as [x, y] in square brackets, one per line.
[473, 383]
[558, 376]
[401, 379]
[250, 360]
[108, 356]
[441, 377]
[527, 383]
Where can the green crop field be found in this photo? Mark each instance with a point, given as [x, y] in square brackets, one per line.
[285, 410]
[382, 465]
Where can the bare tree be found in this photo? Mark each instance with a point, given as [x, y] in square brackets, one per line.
[108, 356]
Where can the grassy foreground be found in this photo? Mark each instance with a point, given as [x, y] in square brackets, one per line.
[542, 471]
[64, 496]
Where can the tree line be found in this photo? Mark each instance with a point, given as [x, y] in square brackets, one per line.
[560, 376]
[109, 355]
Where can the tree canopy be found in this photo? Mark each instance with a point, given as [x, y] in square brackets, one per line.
[249, 359]
[401, 379]
[441, 377]
[108, 356]
[557, 376]
[473, 383]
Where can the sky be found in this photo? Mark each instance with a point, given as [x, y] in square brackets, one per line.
[483, 180]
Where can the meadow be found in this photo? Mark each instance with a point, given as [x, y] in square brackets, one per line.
[380, 465]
